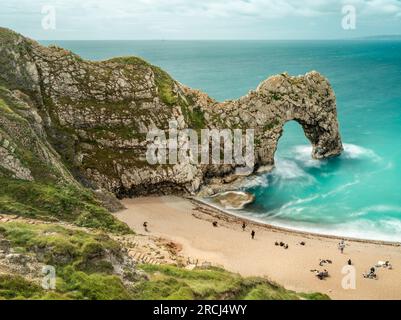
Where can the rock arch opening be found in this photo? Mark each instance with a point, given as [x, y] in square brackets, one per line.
[291, 137]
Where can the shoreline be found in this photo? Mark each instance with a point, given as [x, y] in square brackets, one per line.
[188, 224]
[289, 230]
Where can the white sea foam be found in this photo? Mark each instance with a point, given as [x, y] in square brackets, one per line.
[376, 209]
[303, 153]
[376, 222]
[352, 151]
[297, 202]
[289, 170]
[341, 188]
[256, 181]
[383, 230]
[388, 229]
[286, 169]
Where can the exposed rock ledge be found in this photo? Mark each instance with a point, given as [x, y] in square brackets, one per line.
[233, 200]
[96, 116]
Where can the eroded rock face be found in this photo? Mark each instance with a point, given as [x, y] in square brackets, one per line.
[96, 115]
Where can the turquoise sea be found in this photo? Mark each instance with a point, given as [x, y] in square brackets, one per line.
[357, 194]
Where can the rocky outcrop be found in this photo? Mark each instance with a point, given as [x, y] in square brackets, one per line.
[25, 152]
[96, 116]
[233, 200]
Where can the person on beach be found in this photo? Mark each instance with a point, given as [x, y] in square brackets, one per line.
[145, 226]
[243, 226]
[253, 233]
[322, 275]
[349, 262]
[371, 275]
[341, 246]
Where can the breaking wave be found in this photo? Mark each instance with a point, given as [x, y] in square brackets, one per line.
[328, 197]
[385, 230]
[288, 170]
[303, 153]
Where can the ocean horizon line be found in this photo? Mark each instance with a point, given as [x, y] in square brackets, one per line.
[230, 40]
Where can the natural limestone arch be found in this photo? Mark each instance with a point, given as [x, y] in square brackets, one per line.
[308, 100]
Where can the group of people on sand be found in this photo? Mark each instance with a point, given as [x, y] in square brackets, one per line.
[281, 244]
[215, 225]
[253, 233]
[321, 275]
[371, 274]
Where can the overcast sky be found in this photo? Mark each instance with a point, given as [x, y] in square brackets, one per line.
[199, 19]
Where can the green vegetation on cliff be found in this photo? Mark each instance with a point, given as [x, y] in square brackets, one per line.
[164, 82]
[56, 203]
[194, 117]
[171, 283]
[84, 262]
[59, 245]
[165, 86]
[17, 287]
[80, 286]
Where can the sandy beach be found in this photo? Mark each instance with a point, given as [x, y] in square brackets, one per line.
[189, 224]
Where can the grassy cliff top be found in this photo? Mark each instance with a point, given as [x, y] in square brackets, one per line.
[85, 261]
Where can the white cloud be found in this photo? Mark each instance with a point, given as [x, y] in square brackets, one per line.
[377, 7]
[255, 8]
[177, 19]
[211, 8]
[223, 8]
